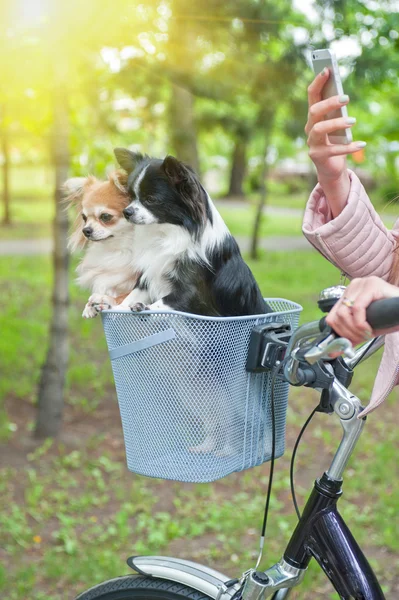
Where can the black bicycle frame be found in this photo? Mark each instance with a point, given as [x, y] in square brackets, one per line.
[322, 533]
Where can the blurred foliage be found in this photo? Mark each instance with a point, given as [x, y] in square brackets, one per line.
[243, 66]
[373, 77]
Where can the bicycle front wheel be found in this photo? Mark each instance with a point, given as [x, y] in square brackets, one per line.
[137, 587]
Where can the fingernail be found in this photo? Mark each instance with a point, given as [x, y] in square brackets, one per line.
[360, 144]
[351, 120]
[344, 98]
[368, 335]
[324, 72]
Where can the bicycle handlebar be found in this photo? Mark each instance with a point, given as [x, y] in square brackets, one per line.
[380, 314]
[383, 314]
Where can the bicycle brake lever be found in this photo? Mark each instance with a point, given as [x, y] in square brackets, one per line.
[330, 345]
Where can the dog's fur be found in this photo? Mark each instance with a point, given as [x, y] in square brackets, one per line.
[107, 268]
[188, 261]
[186, 257]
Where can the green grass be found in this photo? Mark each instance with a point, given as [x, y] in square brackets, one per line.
[32, 219]
[240, 222]
[72, 513]
[31, 182]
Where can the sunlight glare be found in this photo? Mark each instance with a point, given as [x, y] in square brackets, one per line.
[32, 12]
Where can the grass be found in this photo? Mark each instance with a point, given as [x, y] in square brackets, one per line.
[72, 513]
[32, 218]
[31, 182]
[240, 222]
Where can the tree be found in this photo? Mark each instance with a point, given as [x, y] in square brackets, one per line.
[67, 65]
[52, 380]
[6, 165]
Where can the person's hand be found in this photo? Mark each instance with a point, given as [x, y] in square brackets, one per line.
[348, 316]
[329, 159]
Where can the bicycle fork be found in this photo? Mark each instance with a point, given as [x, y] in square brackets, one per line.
[321, 532]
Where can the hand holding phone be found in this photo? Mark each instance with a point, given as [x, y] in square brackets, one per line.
[329, 131]
[322, 59]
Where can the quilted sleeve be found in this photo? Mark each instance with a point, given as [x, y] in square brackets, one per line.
[356, 241]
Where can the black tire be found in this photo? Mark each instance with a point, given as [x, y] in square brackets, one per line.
[137, 587]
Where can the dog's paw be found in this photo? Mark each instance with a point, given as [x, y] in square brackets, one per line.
[138, 307]
[208, 445]
[96, 304]
[89, 312]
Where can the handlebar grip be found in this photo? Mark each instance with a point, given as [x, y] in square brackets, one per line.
[383, 314]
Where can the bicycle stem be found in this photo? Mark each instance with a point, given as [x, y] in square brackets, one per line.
[347, 406]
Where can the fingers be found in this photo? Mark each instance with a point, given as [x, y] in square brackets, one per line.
[322, 151]
[348, 317]
[316, 87]
[320, 109]
[319, 131]
[342, 324]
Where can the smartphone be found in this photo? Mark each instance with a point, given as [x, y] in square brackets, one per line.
[333, 87]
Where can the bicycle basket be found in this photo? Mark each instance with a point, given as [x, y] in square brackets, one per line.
[190, 411]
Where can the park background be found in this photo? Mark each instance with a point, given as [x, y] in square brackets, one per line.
[221, 85]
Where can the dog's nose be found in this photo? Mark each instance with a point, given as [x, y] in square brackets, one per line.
[87, 231]
[128, 212]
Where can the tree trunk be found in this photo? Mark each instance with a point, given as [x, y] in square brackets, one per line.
[263, 188]
[183, 135]
[6, 170]
[259, 212]
[238, 168]
[182, 129]
[52, 381]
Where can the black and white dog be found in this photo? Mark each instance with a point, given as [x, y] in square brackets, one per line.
[187, 258]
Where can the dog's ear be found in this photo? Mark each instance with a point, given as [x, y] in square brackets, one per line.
[175, 170]
[73, 189]
[119, 179]
[188, 187]
[127, 159]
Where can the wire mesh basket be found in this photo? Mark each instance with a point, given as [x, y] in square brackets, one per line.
[190, 411]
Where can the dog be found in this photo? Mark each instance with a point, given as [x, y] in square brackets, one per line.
[107, 268]
[185, 254]
[188, 261]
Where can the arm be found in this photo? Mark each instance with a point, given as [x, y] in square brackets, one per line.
[356, 241]
[340, 220]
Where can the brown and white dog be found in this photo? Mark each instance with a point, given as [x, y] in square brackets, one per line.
[107, 268]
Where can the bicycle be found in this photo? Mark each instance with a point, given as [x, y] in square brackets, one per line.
[301, 358]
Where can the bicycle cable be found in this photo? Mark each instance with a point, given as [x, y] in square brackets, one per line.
[360, 358]
[310, 417]
[275, 371]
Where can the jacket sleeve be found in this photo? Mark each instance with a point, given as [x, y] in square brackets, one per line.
[356, 241]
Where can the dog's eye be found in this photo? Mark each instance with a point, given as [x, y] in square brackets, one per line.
[84, 218]
[150, 199]
[106, 217]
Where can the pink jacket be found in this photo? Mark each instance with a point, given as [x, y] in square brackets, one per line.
[359, 244]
